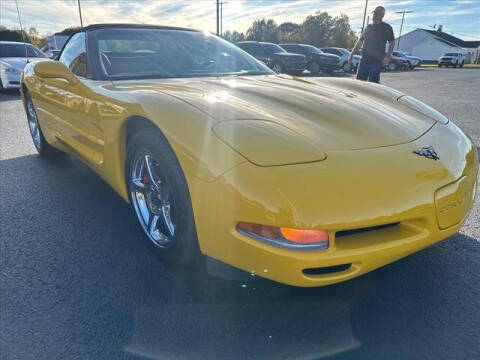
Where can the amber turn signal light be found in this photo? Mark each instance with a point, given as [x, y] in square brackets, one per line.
[286, 237]
[304, 236]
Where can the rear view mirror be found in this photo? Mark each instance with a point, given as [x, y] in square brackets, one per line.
[54, 69]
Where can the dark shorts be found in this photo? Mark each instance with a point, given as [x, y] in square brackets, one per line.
[369, 71]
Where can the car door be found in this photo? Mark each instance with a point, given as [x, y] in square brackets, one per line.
[260, 53]
[72, 109]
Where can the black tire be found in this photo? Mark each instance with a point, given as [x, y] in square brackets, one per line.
[314, 68]
[461, 65]
[278, 67]
[440, 65]
[184, 245]
[42, 146]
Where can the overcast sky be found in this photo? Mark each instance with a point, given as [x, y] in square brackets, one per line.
[458, 17]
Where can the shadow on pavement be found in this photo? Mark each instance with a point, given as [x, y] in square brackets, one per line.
[77, 281]
[9, 95]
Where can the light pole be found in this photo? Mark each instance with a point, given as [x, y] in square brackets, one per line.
[364, 15]
[80, 13]
[401, 26]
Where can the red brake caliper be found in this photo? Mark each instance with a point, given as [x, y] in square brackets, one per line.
[145, 179]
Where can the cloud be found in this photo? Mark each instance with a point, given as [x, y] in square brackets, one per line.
[50, 16]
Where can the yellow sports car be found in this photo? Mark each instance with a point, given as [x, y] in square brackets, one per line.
[307, 182]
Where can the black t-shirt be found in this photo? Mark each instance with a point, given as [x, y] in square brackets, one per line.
[376, 37]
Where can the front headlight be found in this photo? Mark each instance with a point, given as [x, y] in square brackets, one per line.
[426, 110]
[9, 70]
[266, 143]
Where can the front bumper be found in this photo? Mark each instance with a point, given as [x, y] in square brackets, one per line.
[349, 190]
[330, 66]
[298, 66]
[10, 81]
[448, 61]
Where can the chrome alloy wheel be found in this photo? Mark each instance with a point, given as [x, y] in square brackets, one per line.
[33, 125]
[152, 201]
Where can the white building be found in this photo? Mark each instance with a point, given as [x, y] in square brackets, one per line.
[429, 45]
[56, 41]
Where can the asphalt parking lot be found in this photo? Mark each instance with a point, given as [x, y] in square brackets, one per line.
[76, 282]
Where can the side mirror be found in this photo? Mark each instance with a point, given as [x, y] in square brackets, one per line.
[54, 70]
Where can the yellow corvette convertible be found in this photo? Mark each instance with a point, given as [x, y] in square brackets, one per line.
[307, 182]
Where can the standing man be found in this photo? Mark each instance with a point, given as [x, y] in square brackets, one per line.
[374, 39]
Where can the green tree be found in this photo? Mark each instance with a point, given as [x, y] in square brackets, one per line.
[13, 35]
[233, 36]
[263, 30]
[317, 29]
[342, 34]
[36, 38]
[289, 32]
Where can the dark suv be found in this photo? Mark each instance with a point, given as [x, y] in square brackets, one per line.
[275, 57]
[316, 59]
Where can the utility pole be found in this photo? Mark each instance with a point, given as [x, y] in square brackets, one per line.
[218, 17]
[221, 16]
[364, 15]
[80, 13]
[401, 26]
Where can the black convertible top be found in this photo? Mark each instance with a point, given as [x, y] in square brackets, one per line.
[135, 26]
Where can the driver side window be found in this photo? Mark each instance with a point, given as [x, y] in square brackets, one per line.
[74, 55]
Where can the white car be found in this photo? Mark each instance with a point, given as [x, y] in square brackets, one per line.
[412, 61]
[52, 53]
[13, 60]
[452, 59]
[341, 52]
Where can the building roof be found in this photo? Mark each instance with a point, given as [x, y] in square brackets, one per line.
[453, 39]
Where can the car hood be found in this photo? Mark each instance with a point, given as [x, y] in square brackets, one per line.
[19, 63]
[331, 113]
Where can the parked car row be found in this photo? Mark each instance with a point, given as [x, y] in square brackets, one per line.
[282, 58]
[285, 58]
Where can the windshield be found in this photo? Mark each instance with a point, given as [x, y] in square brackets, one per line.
[18, 50]
[273, 48]
[451, 54]
[162, 53]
